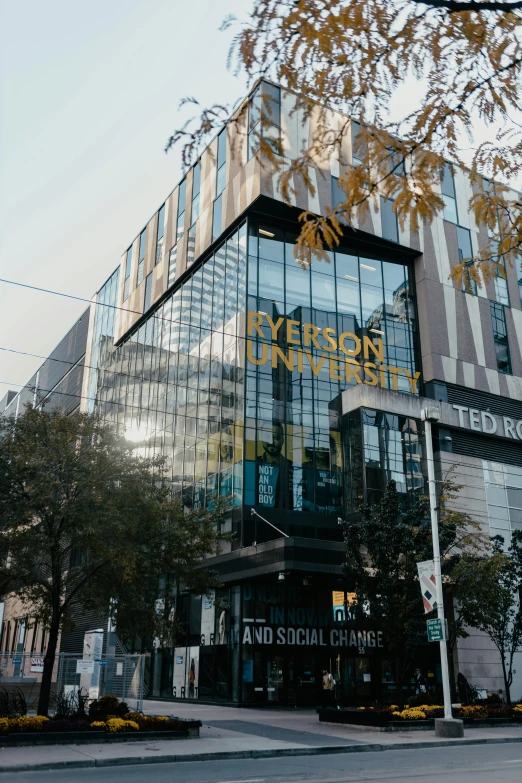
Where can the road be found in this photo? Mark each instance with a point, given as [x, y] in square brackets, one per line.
[466, 764]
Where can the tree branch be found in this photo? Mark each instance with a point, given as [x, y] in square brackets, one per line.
[459, 6]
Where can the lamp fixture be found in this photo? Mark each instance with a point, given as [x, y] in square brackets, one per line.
[377, 331]
[350, 277]
[369, 268]
[266, 233]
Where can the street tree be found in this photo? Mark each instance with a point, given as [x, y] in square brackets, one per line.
[459, 64]
[383, 545]
[87, 524]
[488, 592]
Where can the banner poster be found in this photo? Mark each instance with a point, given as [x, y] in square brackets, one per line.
[428, 585]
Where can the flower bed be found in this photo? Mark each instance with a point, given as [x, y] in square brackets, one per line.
[98, 726]
[422, 717]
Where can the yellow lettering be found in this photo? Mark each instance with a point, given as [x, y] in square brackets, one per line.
[375, 347]
[316, 368]
[293, 335]
[352, 370]
[288, 362]
[250, 353]
[299, 360]
[413, 380]
[310, 333]
[394, 373]
[335, 369]
[349, 351]
[274, 326]
[254, 321]
[382, 376]
[329, 335]
[368, 368]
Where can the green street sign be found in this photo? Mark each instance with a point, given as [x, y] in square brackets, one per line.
[435, 632]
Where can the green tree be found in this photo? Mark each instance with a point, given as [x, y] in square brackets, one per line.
[488, 592]
[383, 548]
[86, 524]
[461, 62]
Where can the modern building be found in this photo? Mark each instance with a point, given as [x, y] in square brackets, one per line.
[299, 392]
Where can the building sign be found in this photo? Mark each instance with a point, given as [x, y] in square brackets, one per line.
[37, 664]
[312, 637]
[489, 423]
[347, 357]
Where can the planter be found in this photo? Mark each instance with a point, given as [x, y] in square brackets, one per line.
[91, 736]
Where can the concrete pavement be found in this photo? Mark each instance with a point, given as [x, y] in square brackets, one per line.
[230, 732]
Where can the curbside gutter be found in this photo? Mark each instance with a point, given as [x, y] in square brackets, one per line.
[170, 758]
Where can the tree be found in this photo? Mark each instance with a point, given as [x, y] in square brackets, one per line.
[490, 591]
[353, 56]
[383, 548]
[86, 524]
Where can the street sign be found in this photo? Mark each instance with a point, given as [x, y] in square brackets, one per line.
[17, 660]
[435, 632]
[103, 663]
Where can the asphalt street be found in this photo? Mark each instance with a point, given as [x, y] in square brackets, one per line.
[467, 764]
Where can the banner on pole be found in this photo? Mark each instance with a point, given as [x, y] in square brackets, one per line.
[428, 585]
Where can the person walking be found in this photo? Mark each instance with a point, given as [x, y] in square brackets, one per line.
[328, 688]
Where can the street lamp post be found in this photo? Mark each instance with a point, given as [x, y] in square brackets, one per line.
[447, 726]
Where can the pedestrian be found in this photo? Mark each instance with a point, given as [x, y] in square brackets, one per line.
[328, 688]
[420, 682]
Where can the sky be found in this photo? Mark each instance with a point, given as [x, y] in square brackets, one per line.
[89, 94]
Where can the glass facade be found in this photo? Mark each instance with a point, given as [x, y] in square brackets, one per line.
[176, 384]
[504, 498]
[103, 333]
[311, 334]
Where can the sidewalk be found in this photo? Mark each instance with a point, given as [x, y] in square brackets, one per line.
[230, 732]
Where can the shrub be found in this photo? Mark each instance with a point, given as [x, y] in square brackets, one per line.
[473, 711]
[108, 707]
[410, 714]
[118, 724]
[517, 709]
[24, 723]
[97, 724]
[4, 725]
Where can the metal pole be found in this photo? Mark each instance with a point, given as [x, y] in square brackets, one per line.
[436, 557]
[254, 513]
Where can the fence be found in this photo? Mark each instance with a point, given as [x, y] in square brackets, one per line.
[121, 676]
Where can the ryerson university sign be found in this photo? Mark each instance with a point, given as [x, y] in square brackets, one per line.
[488, 423]
[346, 356]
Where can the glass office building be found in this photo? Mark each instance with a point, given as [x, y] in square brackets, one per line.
[297, 392]
[237, 377]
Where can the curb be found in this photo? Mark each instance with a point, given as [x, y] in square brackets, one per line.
[171, 758]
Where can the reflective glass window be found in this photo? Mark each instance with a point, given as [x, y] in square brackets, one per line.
[159, 234]
[500, 338]
[390, 228]
[217, 218]
[141, 256]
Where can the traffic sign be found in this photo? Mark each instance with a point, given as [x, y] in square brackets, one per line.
[435, 630]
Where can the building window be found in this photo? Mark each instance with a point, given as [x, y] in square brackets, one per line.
[159, 235]
[465, 252]
[147, 299]
[357, 152]
[501, 288]
[217, 215]
[128, 269]
[182, 192]
[196, 184]
[520, 290]
[390, 229]
[221, 162]
[191, 245]
[500, 337]
[141, 256]
[504, 498]
[264, 118]
[172, 264]
[448, 194]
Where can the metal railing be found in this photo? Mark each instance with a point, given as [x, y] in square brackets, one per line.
[120, 675]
